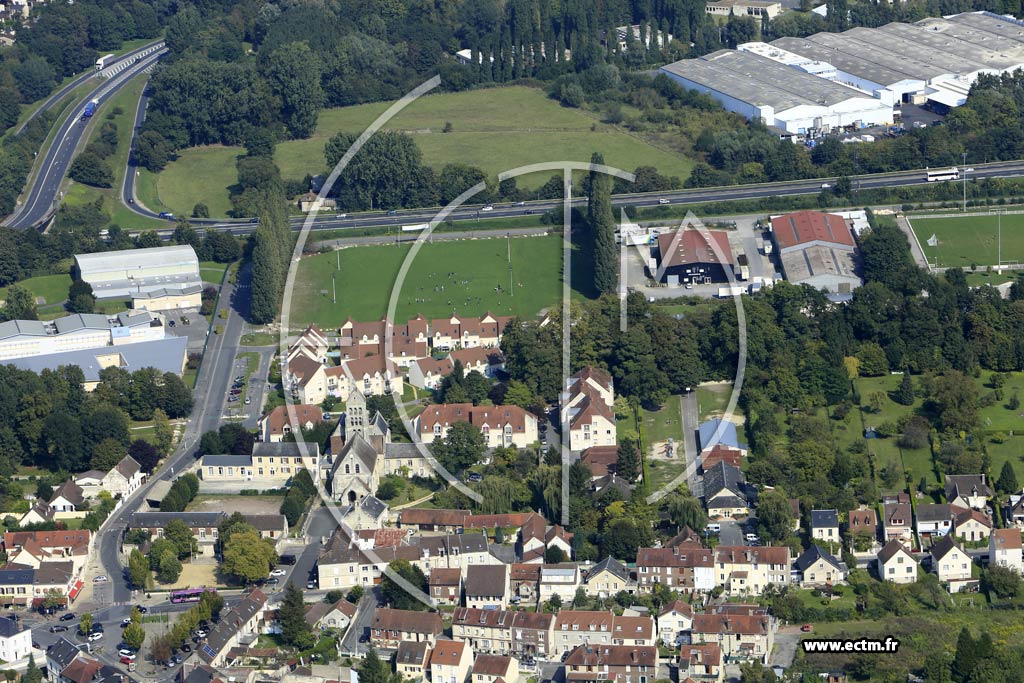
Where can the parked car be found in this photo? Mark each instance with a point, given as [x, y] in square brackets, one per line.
[186, 647]
[142, 609]
[58, 628]
[102, 578]
[273, 581]
[95, 635]
[279, 572]
[311, 585]
[67, 617]
[475, 477]
[287, 559]
[125, 622]
[125, 652]
[248, 400]
[806, 628]
[171, 323]
[127, 660]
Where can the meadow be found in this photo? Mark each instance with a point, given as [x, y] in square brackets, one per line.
[971, 240]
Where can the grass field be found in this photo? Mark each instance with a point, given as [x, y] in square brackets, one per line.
[495, 129]
[368, 274]
[52, 289]
[713, 399]
[971, 240]
[212, 272]
[665, 423]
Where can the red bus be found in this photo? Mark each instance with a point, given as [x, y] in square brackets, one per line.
[189, 594]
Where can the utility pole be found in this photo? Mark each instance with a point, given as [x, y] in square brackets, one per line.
[965, 181]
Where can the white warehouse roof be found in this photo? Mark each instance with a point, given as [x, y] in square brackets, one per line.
[131, 272]
[182, 255]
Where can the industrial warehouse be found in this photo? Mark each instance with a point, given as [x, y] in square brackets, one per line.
[857, 78]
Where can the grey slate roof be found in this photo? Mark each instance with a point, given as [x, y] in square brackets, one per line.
[485, 579]
[824, 519]
[229, 624]
[289, 449]
[612, 565]
[410, 652]
[63, 652]
[721, 479]
[362, 450]
[9, 627]
[965, 485]
[934, 513]
[372, 506]
[14, 328]
[17, 577]
[812, 555]
[227, 461]
[82, 321]
[401, 450]
[943, 547]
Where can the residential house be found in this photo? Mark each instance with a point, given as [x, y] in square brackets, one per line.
[971, 525]
[490, 668]
[271, 465]
[58, 657]
[67, 499]
[502, 632]
[372, 375]
[487, 586]
[861, 522]
[486, 361]
[606, 578]
[896, 522]
[445, 585]
[1014, 510]
[15, 640]
[90, 481]
[742, 631]
[455, 550]
[674, 620]
[391, 626]
[124, 478]
[306, 379]
[613, 663]
[412, 660]
[895, 563]
[406, 460]
[502, 425]
[311, 202]
[82, 669]
[276, 425]
[40, 513]
[701, 663]
[574, 628]
[450, 661]
[825, 525]
[536, 536]
[331, 616]
[934, 520]
[1004, 549]
[239, 622]
[313, 343]
[601, 460]
[524, 579]
[725, 492]
[816, 567]
[633, 630]
[447, 334]
[794, 511]
[687, 569]
[31, 548]
[967, 490]
[950, 563]
[342, 565]
[746, 570]
[427, 373]
[588, 409]
[717, 431]
[559, 579]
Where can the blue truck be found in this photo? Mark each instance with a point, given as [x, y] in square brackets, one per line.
[90, 108]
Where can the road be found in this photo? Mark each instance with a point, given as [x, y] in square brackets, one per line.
[650, 199]
[44, 192]
[212, 385]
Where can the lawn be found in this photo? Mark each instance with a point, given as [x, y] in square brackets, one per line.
[981, 278]
[665, 423]
[212, 272]
[51, 289]
[661, 472]
[495, 129]
[199, 174]
[968, 240]
[260, 339]
[998, 417]
[468, 277]
[713, 399]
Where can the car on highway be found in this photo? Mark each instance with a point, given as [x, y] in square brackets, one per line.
[341, 215]
[67, 617]
[664, 201]
[392, 213]
[58, 628]
[488, 208]
[519, 204]
[166, 214]
[279, 572]
[102, 578]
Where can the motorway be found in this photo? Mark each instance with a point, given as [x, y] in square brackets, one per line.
[41, 198]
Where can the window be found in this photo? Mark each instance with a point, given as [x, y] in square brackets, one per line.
[357, 468]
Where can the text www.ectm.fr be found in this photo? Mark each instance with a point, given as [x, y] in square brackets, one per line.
[889, 645]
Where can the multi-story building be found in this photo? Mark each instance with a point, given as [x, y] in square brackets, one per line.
[674, 620]
[445, 586]
[606, 578]
[588, 409]
[502, 632]
[825, 525]
[950, 563]
[1004, 549]
[390, 627]
[574, 628]
[559, 579]
[742, 631]
[687, 569]
[450, 661]
[271, 465]
[491, 668]
[895, 563]
[487, 586]
[613, 663]
[745, 570]
[503, 425]
[243, 619]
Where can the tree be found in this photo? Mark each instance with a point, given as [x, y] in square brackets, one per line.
[295, 629]
[152, 150]
[956, 402]
[905, 393]
[395, 586]
[138, 569]
[293, 505]
[686, 511]
[553, 555]
[601, 219]
[774, 516]
[179, 533]
[1002, 581]
[32, 674]
[966, 658]
[20, 305]
[247, 557]
[293, 72]
[355, 594]
[461, 448]
[169, 566]
[628, 467]
[85, 624]
[35, 78]
[134, 635]
[374, 670]
[1007, 482]
[80, 297]
[106, 454]
[89, 169]
[200, 210]
[145, 454]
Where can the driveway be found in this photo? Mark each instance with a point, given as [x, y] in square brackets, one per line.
[361, 624]
[787, 639]
[731, 534]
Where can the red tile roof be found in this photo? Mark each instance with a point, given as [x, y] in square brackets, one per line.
[494, 417]
[693, 248]
[803, 227]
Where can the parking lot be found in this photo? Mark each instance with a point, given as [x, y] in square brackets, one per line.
[195, 329]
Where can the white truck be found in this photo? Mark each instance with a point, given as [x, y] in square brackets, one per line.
[726, 292]
[104, 61]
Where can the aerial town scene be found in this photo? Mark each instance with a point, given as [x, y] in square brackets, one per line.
[511, 341]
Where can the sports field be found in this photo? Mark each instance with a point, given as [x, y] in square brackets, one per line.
[971, 240]
[468, 277]
[495, 129]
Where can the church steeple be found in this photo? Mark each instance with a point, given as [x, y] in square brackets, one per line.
[355, 415]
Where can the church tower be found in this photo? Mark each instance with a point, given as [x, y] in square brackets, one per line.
[355, 415]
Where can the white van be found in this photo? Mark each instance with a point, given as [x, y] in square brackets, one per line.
[713, 528]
